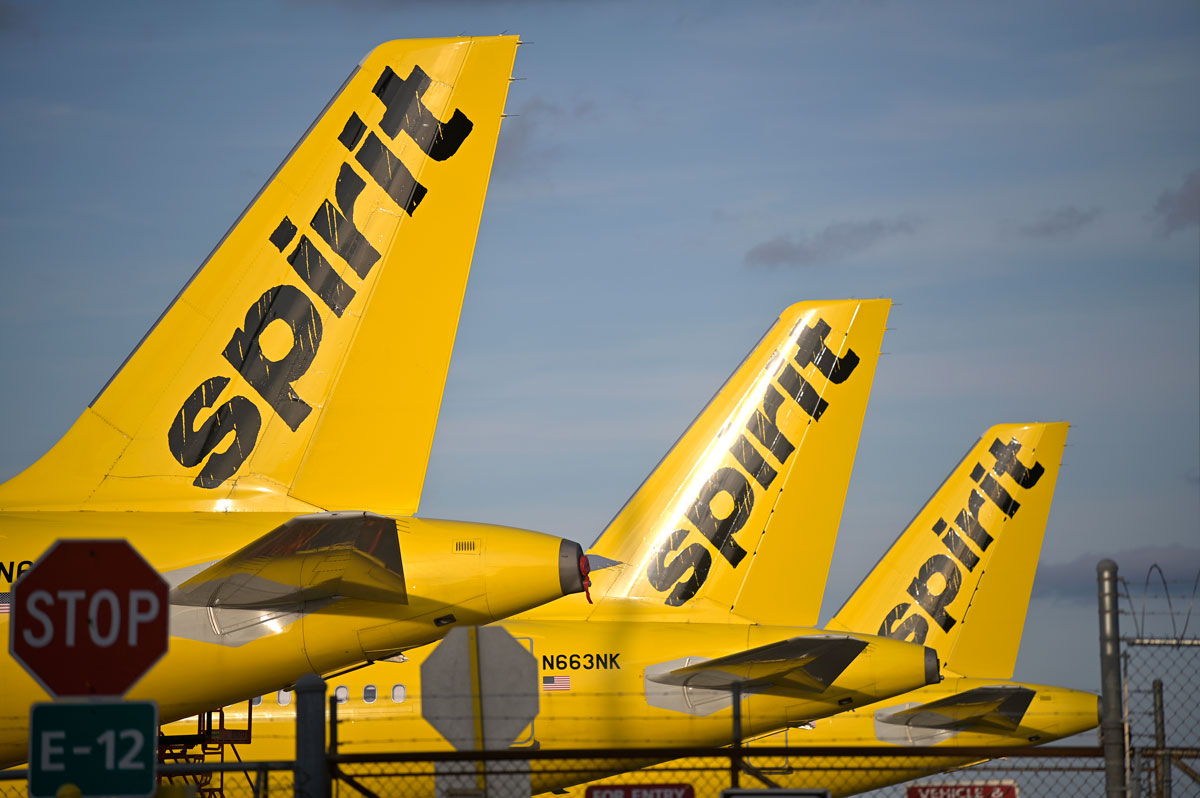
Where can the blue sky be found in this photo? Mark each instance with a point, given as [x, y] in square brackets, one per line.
[1023, 179]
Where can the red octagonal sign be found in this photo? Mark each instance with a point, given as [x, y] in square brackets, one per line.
[89, 618]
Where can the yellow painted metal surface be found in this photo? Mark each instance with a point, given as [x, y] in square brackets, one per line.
[217, 657]
[301, 369]
[610, 706]
[626, 667]
[958, 578]
[1053, 714]
[606, 705]
[267, 385]
[929, 575]
[772, 452]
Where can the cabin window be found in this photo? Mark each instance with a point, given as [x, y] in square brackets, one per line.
[398, 693]
[342, 693]
[256, 701]
[369, 693]
[283, 697]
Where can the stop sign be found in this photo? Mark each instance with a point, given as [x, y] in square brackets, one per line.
[89, 618]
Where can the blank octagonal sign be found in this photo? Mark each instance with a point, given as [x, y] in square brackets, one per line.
[507, 683]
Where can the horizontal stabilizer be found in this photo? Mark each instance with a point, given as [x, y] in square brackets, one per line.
[797, 666]
[983, 709]
[309, 558]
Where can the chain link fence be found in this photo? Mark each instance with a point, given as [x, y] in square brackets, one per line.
[1050, 772]
[199, 779]
[1160, 666]
[1064, 772]
[853, 771]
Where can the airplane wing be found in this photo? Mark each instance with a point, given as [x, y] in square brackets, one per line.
[309, 558]
[799, 665]
[982, 709]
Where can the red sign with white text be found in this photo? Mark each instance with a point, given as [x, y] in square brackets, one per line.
[639, 791]
[89, 618]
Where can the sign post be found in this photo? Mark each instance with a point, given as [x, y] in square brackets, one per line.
[88, 620]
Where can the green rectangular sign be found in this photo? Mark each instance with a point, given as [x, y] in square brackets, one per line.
[104, 749]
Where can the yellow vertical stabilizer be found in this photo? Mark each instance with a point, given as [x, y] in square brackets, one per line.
[267, 385]
[958, 578]
[771, 453]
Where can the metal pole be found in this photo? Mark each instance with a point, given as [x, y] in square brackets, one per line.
[1162, 762]
[1112, 733]
[1135, 773]
[481, 780]
[735, 757]
[1132, 769]
[312, 768]
[333, 725]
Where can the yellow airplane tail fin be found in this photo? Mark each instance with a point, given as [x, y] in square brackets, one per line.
[771, 453]
[267, 384]
[958, 578]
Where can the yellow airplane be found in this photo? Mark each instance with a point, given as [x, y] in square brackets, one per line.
[958, 579]
[265, 444]
[696, 579]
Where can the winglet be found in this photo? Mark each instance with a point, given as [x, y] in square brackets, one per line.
[959, 577]
[302, 367]
[741, 515]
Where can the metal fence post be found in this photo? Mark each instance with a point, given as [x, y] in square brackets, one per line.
[1162, 762]
[262, 778]
[312, 768]
[333, 725]
[735, 754]
[1112, 733]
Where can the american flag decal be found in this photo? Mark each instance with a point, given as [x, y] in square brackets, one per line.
[556, 682]
[5, 603]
